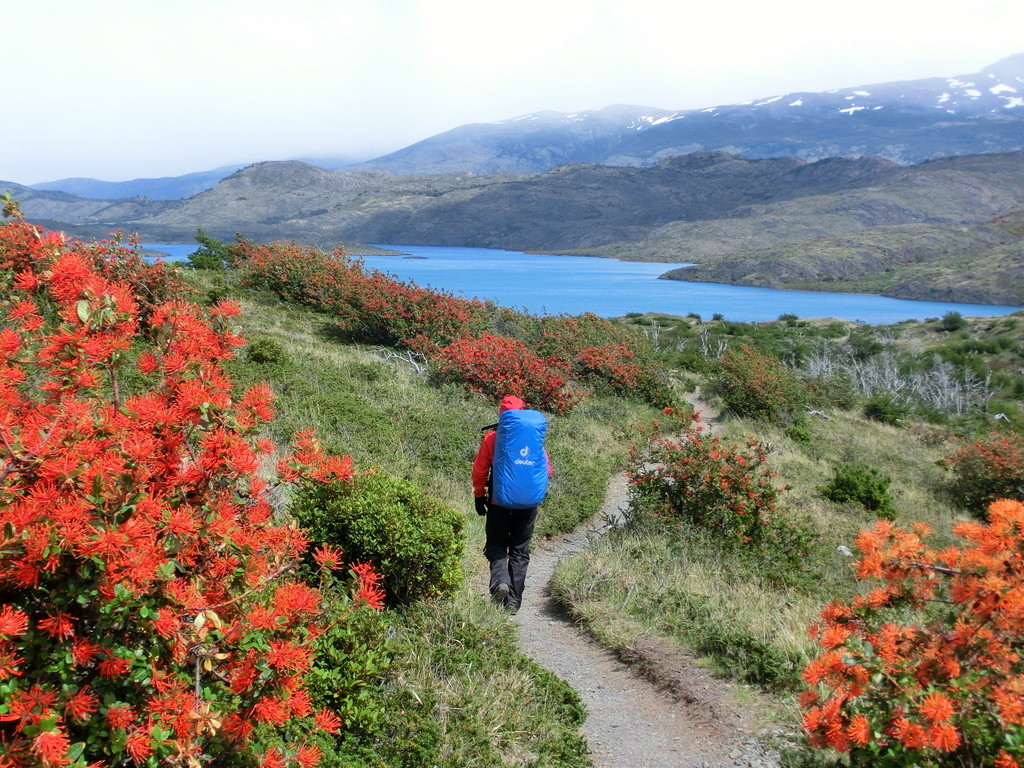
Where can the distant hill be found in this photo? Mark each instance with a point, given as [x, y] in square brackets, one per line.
[166, 188]
[906, 122]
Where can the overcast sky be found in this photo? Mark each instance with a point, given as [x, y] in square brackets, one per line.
[123, 89]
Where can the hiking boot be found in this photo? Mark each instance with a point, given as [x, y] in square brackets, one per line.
[500, 593]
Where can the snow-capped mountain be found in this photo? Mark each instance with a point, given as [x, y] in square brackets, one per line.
[906, 122]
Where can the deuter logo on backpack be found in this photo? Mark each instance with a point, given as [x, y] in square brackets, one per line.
[524, 452]
[519, 471]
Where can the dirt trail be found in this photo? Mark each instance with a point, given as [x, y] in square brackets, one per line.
[686, 720]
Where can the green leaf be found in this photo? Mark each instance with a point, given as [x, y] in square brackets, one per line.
[82, 310]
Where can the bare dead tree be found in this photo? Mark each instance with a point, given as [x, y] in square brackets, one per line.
[414, 360]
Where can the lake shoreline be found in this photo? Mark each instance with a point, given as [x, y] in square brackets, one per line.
[566, 284]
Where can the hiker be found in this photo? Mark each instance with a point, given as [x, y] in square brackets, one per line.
[508, 493]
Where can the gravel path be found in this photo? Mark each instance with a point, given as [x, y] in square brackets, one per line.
[686, 719]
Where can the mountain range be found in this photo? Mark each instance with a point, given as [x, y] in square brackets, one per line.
[889, 189]
[906, 122]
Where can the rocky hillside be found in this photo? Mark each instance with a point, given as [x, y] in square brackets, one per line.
[977, 263]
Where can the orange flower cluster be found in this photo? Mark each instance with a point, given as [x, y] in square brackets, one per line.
[929, 662]
[987, 469]
[146, 610]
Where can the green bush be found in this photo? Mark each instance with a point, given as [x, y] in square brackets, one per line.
[834, 391]
[860, 484]
[414, 540]
[798, 433]
[884, 408]
[212, 254]
[952, 321]
[266, 352]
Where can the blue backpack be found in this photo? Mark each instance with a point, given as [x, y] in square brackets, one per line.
[519, 470]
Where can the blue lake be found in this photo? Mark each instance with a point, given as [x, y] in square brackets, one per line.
[573, 285]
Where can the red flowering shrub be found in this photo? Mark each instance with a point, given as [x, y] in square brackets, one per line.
[495, 366]
[729, 491]
[370, 306]
[988, 469]
[925, 669]
[757, 386]
[606, 356]
[147, 610]
[373, 308]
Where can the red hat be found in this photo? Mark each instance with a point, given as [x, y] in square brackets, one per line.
[511, 403]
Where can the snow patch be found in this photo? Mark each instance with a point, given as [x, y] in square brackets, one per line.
[797, 103]
[995, 90]
[768, 101]
[1015, 101]
[973, 93]
[666, 119]
[944, 98]
[851, 110]
[954, 83]
[861, 93]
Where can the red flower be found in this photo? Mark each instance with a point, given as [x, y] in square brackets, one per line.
[52, 748]
[12, 621]
[370, 589]
[327, 721]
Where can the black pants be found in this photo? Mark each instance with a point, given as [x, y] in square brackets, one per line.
[508, 548]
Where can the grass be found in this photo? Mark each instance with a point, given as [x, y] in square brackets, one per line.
[468, 690]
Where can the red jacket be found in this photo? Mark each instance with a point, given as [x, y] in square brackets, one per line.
[485, 454]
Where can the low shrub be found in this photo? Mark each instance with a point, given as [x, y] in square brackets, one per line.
[987, 469]
[729, 491]
[266, 352]
[349, 678]
[885, 409]
[952, 321]
[495, 366]
[798, 433]
[833, 391]
[391, 523]
[860, 484]
[758, 386]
